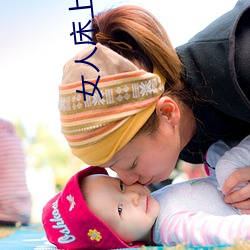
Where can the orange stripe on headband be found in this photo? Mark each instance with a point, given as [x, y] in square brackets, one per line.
[104, 79]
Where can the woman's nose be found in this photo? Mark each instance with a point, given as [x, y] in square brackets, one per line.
[126, 177]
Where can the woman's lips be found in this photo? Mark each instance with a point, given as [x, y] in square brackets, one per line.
[148, 183]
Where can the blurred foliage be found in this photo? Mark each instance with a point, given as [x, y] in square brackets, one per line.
[20, 130]
[45, 150]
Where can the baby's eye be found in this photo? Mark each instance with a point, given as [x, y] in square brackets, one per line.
[120, 206]
[121, 186]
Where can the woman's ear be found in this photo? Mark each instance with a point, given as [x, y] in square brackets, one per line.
[168, 109]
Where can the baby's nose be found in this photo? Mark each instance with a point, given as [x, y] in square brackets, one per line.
[133, 197]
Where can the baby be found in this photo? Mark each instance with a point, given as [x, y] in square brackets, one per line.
[96, 211]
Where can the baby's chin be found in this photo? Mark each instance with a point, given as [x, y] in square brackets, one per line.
[153, 209]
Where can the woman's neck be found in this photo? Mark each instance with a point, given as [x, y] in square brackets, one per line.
[187, 125]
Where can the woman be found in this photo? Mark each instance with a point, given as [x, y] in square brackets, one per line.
[136, 122]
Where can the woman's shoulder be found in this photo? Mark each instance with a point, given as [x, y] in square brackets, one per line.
[209, 65]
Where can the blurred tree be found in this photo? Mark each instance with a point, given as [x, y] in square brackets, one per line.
[45, 150]
[20, 130]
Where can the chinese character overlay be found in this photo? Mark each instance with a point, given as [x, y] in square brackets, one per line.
[83, 7]
[82, 33]
[94, 85]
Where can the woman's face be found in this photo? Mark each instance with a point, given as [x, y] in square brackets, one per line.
[148, 159]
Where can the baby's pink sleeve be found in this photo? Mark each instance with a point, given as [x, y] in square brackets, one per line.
[201, 229]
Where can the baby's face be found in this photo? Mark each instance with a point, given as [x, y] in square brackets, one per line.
[130, 211]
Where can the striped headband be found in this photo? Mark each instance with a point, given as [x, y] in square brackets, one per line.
[99, 126]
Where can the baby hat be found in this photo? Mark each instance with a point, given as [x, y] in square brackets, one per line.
[69, 223]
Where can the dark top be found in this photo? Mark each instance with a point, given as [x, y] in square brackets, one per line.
[217, 67]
